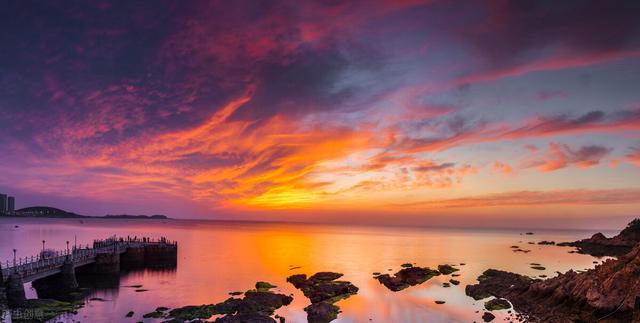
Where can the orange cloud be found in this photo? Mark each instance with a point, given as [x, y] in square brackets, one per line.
[502, 167]
[533, 198]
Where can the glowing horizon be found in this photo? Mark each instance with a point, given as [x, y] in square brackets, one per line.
[403, 109]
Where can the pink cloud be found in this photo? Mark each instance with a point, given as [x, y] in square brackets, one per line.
[561, 156]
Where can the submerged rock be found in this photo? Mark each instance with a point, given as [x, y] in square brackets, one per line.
[599, 245]
[323, 290]
[610, 290]
[407, 277]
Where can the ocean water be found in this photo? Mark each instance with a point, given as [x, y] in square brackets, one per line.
[215, 258]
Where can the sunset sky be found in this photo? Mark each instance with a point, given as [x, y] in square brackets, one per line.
[322, 110]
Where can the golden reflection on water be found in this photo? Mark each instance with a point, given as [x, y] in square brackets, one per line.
[217, 258]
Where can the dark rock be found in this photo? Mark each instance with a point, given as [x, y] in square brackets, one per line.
[130, 314]
[319, 288]
[440, 302]
[321, 312]
[494, 282]
[153, 315]
[256, 306]
[407, 277]
[488, 317]
[325, 276]
[407, 265]
[323, 290]
[446, 269]
[455, 282]
[245, 318]
[545, 242]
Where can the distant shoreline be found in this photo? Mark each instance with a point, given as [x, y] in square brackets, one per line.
[78, 216]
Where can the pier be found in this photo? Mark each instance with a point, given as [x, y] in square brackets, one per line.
[55, 271]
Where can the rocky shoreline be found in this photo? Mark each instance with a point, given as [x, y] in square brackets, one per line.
[599, 245]
[608, 293]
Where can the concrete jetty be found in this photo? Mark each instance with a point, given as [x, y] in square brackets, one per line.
[55, 272]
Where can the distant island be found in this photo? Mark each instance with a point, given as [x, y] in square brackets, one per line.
[51, 212]
[129, 216]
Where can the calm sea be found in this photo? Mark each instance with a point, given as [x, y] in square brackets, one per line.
[216, 258]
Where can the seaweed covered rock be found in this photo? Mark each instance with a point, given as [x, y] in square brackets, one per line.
[409, 276]
[323, 290]
[497, 304]
[256, 306]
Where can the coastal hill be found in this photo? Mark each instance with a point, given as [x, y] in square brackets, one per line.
[51, 212]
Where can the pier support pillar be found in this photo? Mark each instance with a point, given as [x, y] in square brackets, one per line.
[4, 305]
[14, 289]
[133, 258]
[58, 286]
[107, 263]
[161, 256]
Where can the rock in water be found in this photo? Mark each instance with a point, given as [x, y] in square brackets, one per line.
[406, 277]
[323, 290]
[599, 245]
[610, 290]
[488, 317]
[447, 269]
[321, 312]
[257, 306]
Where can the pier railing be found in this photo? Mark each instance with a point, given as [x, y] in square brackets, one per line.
[27, 266]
